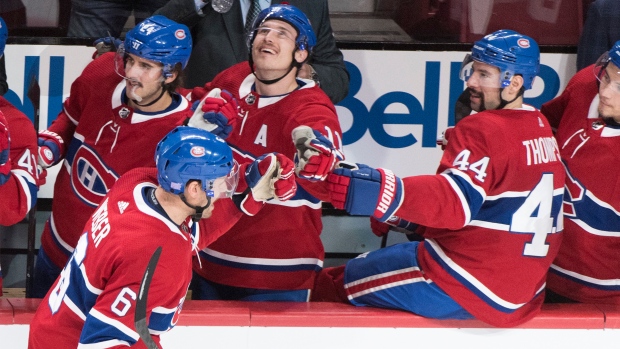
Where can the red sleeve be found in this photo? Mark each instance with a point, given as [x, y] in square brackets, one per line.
[319, 114]
[20, 191]
[225, 215]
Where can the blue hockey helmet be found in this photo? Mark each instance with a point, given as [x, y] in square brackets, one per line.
[4, 34]
[187, 153]
[306, 39]
[160, 39]
[511, 52]
[613, 56]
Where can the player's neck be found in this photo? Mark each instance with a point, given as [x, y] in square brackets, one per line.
[145, 106]
[173, 205]
[288, 84]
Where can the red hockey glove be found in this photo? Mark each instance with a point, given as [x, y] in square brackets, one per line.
[51, 147]
[5, 150]
[267, 177]
[218, 113]
[316, 155]
[394, 223]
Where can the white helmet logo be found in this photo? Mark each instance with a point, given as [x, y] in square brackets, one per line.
[180, 34]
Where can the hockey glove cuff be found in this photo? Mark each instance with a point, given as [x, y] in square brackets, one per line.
[366, 191]
[51, 146]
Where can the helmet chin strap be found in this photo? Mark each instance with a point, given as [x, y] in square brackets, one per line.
[199, 209]
[294, 64]
[502, 102]
[152, 102]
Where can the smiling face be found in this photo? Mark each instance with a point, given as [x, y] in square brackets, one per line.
[274, 48]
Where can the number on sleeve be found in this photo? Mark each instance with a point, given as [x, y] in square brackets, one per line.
[534, 217]
[26, 161]
[122, 299]
[479, 167]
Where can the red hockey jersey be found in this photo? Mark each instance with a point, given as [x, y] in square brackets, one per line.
[495, 208]
[105, 138]
[19, 193]
[280, 247]
[94, 299]
[587, 268]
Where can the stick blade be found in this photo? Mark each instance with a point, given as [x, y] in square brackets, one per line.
[140, 314]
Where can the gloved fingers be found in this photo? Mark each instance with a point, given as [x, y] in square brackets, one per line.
[212, 104]
[378, 228]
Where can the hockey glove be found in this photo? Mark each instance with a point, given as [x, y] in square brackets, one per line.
[5, 151]
[365, 191]
[51, 146]
[217, 113]
[107, 44]
[395, 223]
[316, 155]
[267, 177]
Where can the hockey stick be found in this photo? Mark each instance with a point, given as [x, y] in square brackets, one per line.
[140, 315]
[34, 95]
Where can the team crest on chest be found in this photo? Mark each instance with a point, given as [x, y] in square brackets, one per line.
[91, 179]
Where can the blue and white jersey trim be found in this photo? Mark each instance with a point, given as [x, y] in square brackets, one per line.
[605, 285]
[469, 281]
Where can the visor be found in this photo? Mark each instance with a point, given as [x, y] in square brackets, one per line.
[224, 187]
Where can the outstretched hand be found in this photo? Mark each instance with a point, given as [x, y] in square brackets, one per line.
[316, 155]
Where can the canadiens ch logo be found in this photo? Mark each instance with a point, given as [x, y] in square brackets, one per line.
[91, 179]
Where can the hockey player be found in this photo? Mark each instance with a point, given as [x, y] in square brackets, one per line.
[492, 212]
[18, 162]
[587, 118]
[118, 108]
[274, 254]
[93, 301]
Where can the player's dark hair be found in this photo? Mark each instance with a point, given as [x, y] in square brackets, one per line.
[176, 83]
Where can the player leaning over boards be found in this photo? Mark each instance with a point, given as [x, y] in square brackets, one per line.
[19, 179]
[118, 109]
[492, 212]
[587, 118]
[93, 302]
[275, 254]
